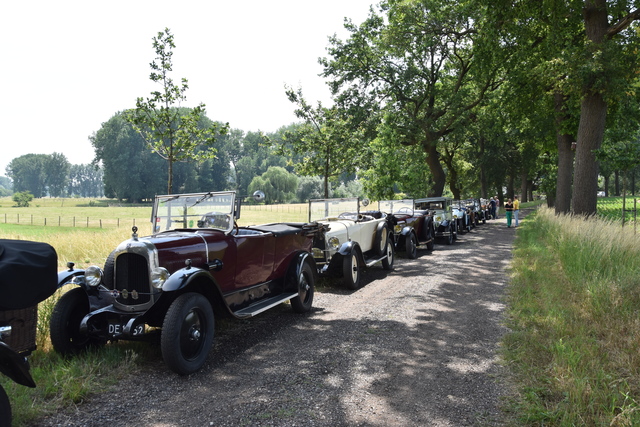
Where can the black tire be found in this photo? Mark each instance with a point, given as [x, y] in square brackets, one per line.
[431, 236]
[64, 326]
[387, 261]
[351, 270]
[109, 270]
[450, 236]
[187, 333]
[305, 283]
[411, 246]
[380, 244]
[5, 409]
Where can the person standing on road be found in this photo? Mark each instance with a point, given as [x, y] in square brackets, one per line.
[516, 209]
[497, 206]
[492, 207]
[508, 207]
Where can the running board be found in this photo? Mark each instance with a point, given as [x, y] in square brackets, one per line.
[370, 262]
[264, 305]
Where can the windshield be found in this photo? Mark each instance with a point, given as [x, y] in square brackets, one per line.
[199, 210]
[396, 206]
[332, 208]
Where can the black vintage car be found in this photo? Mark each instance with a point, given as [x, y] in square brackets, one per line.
[197, 264]
[412, 227]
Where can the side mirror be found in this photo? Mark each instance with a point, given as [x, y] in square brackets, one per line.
[258, 196]
[365, 202]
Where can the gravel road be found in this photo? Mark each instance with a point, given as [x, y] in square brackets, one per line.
[412, 347]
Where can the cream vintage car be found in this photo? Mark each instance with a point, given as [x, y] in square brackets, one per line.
[355, 239]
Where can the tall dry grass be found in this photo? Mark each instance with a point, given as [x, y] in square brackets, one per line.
[574, 315]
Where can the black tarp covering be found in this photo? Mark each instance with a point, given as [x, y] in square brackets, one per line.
[28, 273]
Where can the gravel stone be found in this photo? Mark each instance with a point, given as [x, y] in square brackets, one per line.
[415, 346]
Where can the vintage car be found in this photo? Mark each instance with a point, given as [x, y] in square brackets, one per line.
[413, 227]
[477, 210]
[354, 239]
[461, 215]
[443, 221]
[197, 263]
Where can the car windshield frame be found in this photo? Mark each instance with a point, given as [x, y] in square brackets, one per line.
[212, 210]
[320, 209]
[394, 206]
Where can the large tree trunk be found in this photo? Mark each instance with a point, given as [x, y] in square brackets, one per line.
[524, 187]
[565, 159]
[435, 167]
[593, 113]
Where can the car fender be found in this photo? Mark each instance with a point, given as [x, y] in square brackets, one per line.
[15, 366]
[297, 263]
[71, 276]
[181, 278]
[345, 248]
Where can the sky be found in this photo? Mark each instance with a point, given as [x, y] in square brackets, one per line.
[69, 66]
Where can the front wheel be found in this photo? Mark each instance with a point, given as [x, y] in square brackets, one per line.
[5, 409]
[64, 326]
[351, 270]
[187, 333]
[450, 236]
[306, 288]
[387, 261]
[411, 246]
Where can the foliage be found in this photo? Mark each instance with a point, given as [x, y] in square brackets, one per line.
[310, 187]
[40, 174]
[22, 199]
[416, 60]
[328, 140]
[278, 185]
[172, 133]
[85, 181]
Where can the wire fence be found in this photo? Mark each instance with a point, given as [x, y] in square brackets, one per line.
[253, 213]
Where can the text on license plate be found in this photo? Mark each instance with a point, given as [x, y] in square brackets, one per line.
[116, 329]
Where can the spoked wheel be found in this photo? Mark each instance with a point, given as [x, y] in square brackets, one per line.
[306, 288]
[411, 246]
[387, 262]
[351, 270]
[187, 333]
[5, 409]
[64, 326]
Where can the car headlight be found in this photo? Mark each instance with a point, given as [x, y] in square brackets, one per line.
[158, 277]
[317, 253]
[439, 218]
[93, 276]
[455, 216]
[334, 243]
[397, 229]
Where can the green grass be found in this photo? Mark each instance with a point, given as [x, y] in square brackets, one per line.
[574, 316]
[611, 208]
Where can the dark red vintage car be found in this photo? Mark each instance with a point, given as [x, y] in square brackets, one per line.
[197, 263]
[413, 227]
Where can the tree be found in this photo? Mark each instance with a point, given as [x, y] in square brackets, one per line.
[86, 181]
[28, 173]
[172, 133]
[417, 62]
[278, 185]
[22, 199]
[131, 172]
[56, 170]
[328, 141]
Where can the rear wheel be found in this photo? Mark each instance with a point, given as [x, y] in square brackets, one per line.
[382, 234]
[306, 287]
[387, 262]
[411, 246]
[351, 270]
[5, 409]
[64, 326]
[187, 333]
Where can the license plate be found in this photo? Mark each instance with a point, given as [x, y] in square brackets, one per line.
[117, 329]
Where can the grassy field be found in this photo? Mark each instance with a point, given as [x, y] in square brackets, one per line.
[573, 312]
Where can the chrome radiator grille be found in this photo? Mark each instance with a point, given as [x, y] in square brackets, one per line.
[132, 279]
